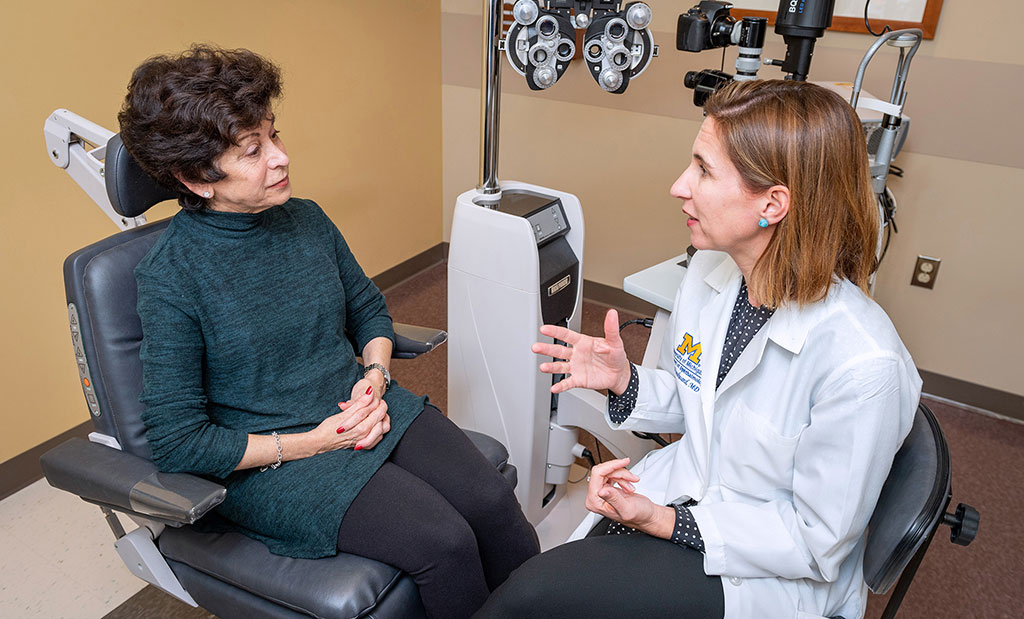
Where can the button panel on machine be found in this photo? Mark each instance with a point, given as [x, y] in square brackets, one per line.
[545, 213]
[83, 365]
[548, 222]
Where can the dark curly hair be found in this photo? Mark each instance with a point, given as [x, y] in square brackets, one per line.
[182, 112]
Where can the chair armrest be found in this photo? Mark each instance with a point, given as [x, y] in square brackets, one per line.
[126, 482]
[412, 341]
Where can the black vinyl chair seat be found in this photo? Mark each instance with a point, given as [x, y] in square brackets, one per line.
[340, 586]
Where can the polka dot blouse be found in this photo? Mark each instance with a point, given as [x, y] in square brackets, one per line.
[745, 322]
[684, 533]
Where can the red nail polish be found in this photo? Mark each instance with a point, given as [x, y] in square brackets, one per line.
[358, 447]
[340, 430]
[369, 390]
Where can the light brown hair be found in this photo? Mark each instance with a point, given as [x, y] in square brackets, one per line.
[809, 139]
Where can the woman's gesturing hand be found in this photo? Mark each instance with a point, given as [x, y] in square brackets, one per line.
[591, 362]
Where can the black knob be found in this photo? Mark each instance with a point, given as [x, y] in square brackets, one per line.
[964, 525]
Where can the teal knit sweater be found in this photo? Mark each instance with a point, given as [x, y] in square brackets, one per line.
[248, 323]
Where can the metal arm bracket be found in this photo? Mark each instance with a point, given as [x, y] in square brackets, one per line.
[79, 146]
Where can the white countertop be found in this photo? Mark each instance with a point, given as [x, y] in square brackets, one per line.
[657, 284]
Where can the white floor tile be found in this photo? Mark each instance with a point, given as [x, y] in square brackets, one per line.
[59, 557]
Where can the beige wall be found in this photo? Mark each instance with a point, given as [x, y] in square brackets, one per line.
[360, 117]
[960, 199]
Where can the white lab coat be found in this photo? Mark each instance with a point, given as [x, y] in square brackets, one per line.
[787, 458]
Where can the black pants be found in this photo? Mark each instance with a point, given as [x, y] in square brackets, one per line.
[610, 577]
[438, 510]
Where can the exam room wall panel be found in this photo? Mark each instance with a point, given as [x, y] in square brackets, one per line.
[959, 200]
[361, 118]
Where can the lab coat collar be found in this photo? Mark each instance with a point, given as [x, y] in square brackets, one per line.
[720, 276]
[790, 324]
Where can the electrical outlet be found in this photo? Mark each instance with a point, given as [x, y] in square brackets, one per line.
[925, 271]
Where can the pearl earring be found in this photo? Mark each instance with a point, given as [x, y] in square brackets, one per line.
[763, 222]
[206, 194]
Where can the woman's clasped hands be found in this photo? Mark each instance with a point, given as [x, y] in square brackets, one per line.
[361, 424]
[611, 494]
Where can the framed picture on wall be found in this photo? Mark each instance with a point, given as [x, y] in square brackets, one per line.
[849, 14]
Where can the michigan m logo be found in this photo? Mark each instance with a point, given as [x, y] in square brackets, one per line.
[689, 349]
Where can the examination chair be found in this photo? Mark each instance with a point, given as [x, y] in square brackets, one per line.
[910, 509]
[228, 574]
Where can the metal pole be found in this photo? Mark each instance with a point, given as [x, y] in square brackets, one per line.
[490, 97]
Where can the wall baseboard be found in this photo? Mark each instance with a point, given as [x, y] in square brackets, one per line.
[24, 469]
[617, 298]
[411, 267]
[986, 398]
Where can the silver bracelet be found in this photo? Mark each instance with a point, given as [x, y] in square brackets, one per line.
[277, 439]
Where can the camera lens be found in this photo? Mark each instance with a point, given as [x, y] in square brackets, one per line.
[690, 79]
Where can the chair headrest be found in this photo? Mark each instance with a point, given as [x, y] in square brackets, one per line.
[130, 189]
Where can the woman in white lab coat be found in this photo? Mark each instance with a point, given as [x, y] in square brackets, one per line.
[790, 386]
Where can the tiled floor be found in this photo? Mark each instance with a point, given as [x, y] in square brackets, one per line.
[58, 557]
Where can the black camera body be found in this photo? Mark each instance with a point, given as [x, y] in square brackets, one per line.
[705, 26]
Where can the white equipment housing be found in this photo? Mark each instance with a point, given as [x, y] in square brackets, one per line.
[515, 263]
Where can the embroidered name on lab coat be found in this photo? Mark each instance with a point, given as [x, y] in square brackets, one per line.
[687, 362]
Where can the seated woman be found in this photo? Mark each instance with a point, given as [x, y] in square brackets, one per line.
[248, 303]
[790, 385]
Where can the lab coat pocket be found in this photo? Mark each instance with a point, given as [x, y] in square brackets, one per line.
[756, 460]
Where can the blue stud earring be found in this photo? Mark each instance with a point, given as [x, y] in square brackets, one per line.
[763, 222]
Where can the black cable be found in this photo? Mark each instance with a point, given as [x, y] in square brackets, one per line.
[895, 170]
[647, 322]
[589, 457]
[885, 248]
[889, 213]
[657, 438]
[723, 60]
[867, 24]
